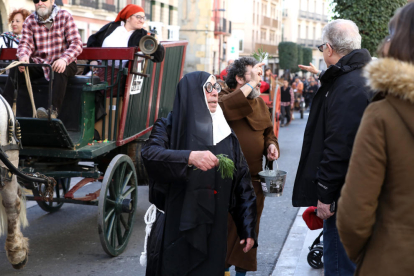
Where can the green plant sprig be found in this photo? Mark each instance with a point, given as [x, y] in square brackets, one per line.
[260, 55]
[226, 166]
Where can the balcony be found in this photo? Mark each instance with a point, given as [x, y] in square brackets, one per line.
[222, 26]
[285, 13]
[95, 4]
[311, 43]
[313, 16]
[271, 49]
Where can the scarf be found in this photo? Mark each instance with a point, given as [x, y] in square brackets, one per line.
[52, 16]
[12, 36]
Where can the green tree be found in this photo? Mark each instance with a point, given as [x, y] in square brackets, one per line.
[288, 55]
[371, 17]
[300, 59]
[307, 56]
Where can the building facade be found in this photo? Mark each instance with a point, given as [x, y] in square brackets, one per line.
[257, 24]
[91, 15]
[205, 25]
[303, 21]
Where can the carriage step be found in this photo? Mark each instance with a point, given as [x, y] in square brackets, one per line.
[44, 133]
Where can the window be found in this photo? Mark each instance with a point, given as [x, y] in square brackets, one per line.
[254, 15]
[314, 33]
[307, 6]
[314, 6]
[299, 31]
[307, 32]
[162, 13]
[257, 35]
[323, 8]
[147, 7]
[272, 36]
[241, 45]
[82, 34]
[273, 11]
[263, 33]
[264, 9]
[171, 15]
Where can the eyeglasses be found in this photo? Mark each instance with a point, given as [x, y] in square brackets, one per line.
[37, 1]
[139, 17]
[209, 87]
[320, 47]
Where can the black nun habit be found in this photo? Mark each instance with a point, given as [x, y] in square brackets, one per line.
[196, 203]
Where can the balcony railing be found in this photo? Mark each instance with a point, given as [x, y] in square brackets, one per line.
[95, 4]
[222, 26]
[313, 16]
[309, 42]
[285, 13]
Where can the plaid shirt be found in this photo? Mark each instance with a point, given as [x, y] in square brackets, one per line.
[61, 41]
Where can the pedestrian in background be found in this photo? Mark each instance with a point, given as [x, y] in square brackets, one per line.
[287, 99]
[374, 213]
[334, 119]
[223, 73]
[249, 117]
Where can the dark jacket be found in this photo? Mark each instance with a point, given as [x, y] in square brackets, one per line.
[97, 39]
[334, 119]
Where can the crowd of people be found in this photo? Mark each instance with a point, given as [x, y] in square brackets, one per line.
[353, 166]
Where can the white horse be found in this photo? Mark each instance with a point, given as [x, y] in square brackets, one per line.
[12, 203]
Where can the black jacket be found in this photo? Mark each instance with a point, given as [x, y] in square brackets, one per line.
[334, 119]
[97, 39]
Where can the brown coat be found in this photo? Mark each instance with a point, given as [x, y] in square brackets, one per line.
[375, 211]
[250, 120]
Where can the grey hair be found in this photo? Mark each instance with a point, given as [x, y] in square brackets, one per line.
[343, 35]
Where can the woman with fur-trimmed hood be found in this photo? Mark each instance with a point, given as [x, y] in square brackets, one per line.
[375, 220]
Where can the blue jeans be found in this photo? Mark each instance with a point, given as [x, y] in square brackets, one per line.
[335, 260]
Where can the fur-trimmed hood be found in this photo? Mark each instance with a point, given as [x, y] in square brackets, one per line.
[392, 77]
[396, 79]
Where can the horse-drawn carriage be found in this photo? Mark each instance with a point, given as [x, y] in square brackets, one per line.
[108, 150]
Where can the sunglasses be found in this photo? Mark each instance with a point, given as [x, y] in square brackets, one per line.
[209, 87]
[141, 18]
[37, 1]
[320, 47]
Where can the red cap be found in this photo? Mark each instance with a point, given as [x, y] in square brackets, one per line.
[264, 86]
[129, 10]
[312, 221]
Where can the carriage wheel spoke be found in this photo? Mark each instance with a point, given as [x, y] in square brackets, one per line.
[110, 213]
[127, 178]
[110, 201]
[119, 230]
[113, 237]
[110, 227]
[112, 191]
[124, 223]
[130, 190]
[121, 177]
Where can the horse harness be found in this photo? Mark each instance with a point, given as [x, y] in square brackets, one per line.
[7, 172]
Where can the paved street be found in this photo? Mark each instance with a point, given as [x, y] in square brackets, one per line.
[67, 242]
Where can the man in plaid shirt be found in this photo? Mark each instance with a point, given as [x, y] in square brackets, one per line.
[49, 36]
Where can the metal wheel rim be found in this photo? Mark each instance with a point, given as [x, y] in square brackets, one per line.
[59, 193]
[115, 227]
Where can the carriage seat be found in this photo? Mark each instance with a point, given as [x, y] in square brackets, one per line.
[77, 114]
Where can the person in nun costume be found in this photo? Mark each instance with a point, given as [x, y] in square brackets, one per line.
[180, 157]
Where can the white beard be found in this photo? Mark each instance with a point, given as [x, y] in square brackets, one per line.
[44, 12]
[254, 94]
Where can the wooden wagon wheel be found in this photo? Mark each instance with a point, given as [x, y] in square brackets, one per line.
[61, 188]
[117, 205]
